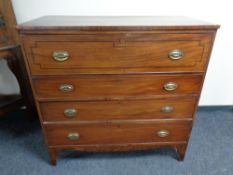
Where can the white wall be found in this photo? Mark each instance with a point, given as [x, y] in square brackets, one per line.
[218, 88]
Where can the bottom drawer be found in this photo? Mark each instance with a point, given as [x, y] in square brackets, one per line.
[164, 131]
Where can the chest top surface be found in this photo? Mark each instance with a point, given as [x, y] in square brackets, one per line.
[104, 23]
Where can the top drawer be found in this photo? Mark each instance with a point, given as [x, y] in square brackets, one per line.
[117, 53]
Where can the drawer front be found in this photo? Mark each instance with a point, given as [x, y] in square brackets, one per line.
[117, 53]
[117, 86]
[117, 133]
[182, 107]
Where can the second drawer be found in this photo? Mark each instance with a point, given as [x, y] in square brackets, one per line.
[181, 107]
[102, 87]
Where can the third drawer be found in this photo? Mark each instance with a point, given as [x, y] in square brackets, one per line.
[163, 108]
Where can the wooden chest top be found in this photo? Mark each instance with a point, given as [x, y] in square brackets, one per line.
[102, 23]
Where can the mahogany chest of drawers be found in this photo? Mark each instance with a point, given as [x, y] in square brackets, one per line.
[116, 83]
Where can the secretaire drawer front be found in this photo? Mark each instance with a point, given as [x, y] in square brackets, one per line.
[117, 86]
[182, 107]
[117, 133]
[116, 53]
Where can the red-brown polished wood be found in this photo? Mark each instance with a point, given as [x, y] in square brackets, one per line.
[116, 69]
[113, 23]
[182, 107]
[118, 133]
[121, 52]
[116, 86]
[10, 50]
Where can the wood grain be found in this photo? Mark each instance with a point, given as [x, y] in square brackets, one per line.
[116, 134]
[183, 107]
[118, 67]
[116, 86]
[10, 32]
[117, 53]
[109, 23]
[11, 51]
[54, 150]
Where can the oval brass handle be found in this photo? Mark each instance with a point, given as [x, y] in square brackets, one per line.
[70, 112]
[66, 88]
[163, 133]
[60, 55]
[170, 86]
[167, 109]
[73, 136]
[176, 54]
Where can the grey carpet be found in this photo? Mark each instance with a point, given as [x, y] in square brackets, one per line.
[210, 152]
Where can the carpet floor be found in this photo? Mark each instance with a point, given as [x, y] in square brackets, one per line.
[210, 151]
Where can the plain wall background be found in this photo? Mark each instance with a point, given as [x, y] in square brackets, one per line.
[218, 87]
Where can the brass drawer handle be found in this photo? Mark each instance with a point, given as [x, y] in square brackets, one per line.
[170, 86]
[167, 109]
[70, 112]
[66, 88]
[60, 55]
[163, 133]
[176, 54]
[73, 136]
